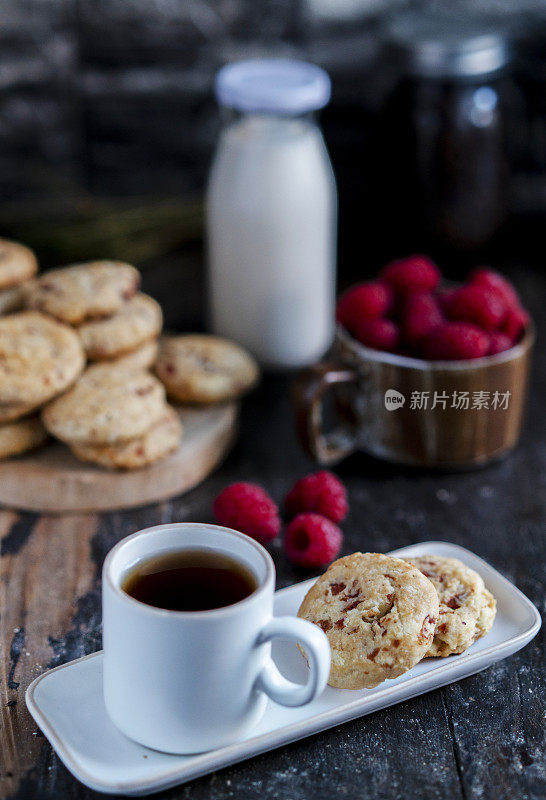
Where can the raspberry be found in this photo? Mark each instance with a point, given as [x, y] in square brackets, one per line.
[420, 316]
[381, 334]
[478, 304]
[498, 343]
[455, 341]
[497, 283]
[312, 540]
[515, 322]
[248, 508]
[364, 300]
[444, 297]
[321, 492]
[411, 274]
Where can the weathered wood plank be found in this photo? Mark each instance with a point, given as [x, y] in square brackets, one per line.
[498, 715]
[46, 566]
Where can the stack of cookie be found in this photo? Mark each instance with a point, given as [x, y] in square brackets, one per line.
[18, 265]
[101, 300]
[114, 413]
[382, 615]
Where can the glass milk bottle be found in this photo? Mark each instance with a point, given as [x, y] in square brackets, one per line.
[272, 214]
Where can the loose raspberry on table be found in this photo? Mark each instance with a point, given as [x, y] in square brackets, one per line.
[498, 343]
[455, 341]
[368, 300]
[497, 283]
[411, 274]
[421, 315]
[381, 334]
[478, 304]
[248, 508]
[311, 540]
[321, 492]
[515, 322]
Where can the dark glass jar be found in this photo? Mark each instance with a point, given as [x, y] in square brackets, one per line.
[530, 194]
[445, 131]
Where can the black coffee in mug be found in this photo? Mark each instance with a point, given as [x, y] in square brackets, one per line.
[190, 580]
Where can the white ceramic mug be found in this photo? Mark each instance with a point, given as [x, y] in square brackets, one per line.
[191, 681]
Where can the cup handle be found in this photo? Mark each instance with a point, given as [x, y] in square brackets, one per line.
[308, 391]
[317, 649]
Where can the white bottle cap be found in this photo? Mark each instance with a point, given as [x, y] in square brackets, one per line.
[273, 86]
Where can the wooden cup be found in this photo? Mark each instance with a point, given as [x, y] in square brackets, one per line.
[447, 414]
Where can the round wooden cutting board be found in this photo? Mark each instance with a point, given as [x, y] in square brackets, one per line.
[53, 480]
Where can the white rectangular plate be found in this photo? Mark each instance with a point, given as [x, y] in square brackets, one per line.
[67, 704]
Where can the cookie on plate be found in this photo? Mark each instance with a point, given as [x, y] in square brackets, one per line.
[17, 263]
[12, 299]
[143, 357]
[84, 291]
[39, 358]
[160, 441]
[197, 368]
[467, 608]
[138, 320]
[107, 405]
[379, 617]
[21, 436]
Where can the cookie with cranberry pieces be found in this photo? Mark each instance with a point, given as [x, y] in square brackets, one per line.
[20, 436]
[9, 412]
[161, 440]
[12, 299]
[143, 357]
[107, 405]
[39, 358]
[84, 291]
[379, 614]
[17, 263]
[467, 608]
[197, 368]
[138, 321]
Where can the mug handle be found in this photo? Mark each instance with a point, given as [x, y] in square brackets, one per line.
[317, 649]
[308, 391]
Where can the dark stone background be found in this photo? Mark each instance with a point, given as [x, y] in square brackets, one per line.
[110, 100]
[114, 97]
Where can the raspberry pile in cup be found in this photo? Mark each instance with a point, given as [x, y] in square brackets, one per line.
[407, 311]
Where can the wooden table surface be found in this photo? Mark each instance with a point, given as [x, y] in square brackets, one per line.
[482, 737]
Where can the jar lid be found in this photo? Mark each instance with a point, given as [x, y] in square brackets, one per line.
[443, 44]
[273, 86]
